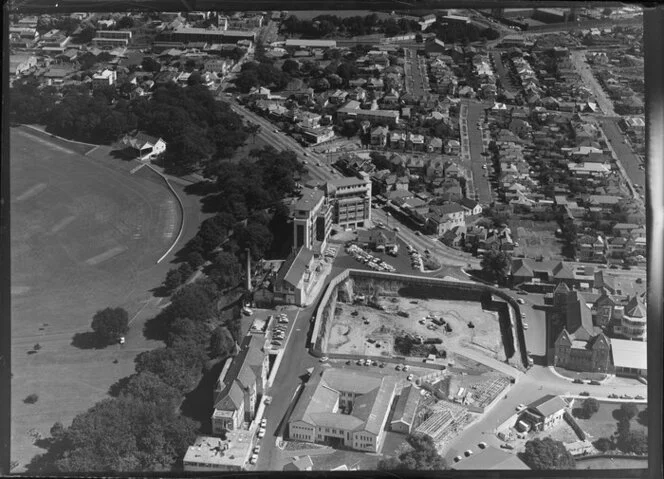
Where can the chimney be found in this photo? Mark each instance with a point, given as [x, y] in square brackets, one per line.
[248, 269]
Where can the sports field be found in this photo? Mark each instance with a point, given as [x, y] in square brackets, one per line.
[85, 235]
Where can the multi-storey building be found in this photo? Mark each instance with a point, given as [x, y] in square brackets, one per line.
[351, 201]
[241, 382]
[104, 78]
[101, 42]
[343, 408]
[312, 220]
[125, 34]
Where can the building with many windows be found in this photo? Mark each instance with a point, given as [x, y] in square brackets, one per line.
[343, 408]
[241, 383]
[351, 201]
[215, 454]
[312, 220]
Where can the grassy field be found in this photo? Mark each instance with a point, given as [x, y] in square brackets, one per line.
[536, 238]
[604, 422]
[85, 236]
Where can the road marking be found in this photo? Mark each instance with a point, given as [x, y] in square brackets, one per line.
[95, 260]
[34, 191]
[62, 223]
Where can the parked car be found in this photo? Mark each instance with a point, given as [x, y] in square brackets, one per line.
[578, 381]
[525, 326]
[584, 393]
[520, 301]
[482, 445]
[638, 397]
[122, 340]
[506, 446]
[254, 459]
[261, 433]
[457, 458]
[398, 367]
[263, 423]
[595, 383]
[324, 359]
[268, 400]
[257, 449]
[468, 453]
[520, 407]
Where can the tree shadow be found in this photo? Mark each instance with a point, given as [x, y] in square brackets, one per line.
[642, 417]
[124, 154]
[578, 413]
[87, 340]
[198, 404]
[210, 203]
[157, 328]
[617, 414]
[160, 291]
[202, 188]
[118, 386]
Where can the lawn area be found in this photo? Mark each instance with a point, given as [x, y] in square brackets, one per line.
[536, 238]
[579, 375]
[85, 235]
[603, 423]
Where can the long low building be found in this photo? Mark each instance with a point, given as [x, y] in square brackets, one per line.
[190, 34]
[343, 408]
[299, 43]
[630, 358]
[352, 111]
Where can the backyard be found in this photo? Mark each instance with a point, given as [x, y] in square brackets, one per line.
[536, 238]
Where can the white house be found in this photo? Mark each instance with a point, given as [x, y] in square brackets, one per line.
[147, 147]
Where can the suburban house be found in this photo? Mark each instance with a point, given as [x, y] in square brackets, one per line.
[146, 146]
[545, 413]
[240, 385]
[444, 218]
[342, 407]
[471, 207]
[377, 240]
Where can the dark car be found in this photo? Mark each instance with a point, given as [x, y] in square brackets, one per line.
[578, 381]
[506, 446]
[584, 393]
[595, 383]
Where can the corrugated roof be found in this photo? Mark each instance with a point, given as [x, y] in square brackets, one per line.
[548, 405]
[294, 267]
[406, 405]
[309, 199]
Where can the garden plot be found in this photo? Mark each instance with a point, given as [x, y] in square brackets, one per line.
[364, 330]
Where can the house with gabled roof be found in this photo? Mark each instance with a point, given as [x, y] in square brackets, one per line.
[145, 146]
[580, 346]
[405, 409]
[241, 383]
[545, 413]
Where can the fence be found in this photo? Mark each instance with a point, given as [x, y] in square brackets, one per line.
[437, 287]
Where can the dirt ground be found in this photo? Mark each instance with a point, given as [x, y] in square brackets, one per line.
[350, 334]
[536, 238]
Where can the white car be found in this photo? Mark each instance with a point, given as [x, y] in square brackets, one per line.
[520, 301]
[261, 433]
[254, 459]
[324, 359]
[122, 340]
[525, 325]
[410, 377]
[520, 407]
[263, 423]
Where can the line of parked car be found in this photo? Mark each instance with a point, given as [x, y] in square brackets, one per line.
[370, 260]
[415, 257]
[279, 331]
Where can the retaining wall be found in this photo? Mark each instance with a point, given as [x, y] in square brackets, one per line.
[427, 287]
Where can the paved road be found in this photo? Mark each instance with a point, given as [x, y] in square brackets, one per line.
[477, 144]
[627, 159]
[415, 73]
[444, 254]
[579, 61]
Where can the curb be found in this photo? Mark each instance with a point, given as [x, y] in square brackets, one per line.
[60, 137]
[181, 212]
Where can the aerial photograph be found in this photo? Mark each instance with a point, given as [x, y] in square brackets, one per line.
[328, 240]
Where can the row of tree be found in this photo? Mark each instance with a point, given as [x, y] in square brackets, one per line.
[141, 427]
[199, 130]
[324, 25]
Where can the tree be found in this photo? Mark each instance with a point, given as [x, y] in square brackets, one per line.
[173, 279]
[291, 67]
[31, 399]
[496, 264]
[125, 23]
[174, 366]
[635, 442]
[192, 301]
[226, 270]
[547, 454]
[110, 324]
[186, 271]
[149, 388]
[603, 444]
[221, 343]
[590, 407]
[149, 64]
[422, 457]
[628, 410]
[195, 259]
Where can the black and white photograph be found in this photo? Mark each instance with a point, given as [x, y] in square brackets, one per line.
[389, 239]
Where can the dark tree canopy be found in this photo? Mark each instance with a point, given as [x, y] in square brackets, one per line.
[547, 454]
[422, 457]
[496, 265]
[110, 324]
[590, 407]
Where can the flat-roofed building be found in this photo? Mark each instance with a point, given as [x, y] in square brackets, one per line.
[352, 111]
[125, 34]
[303, 43]
[104, 78]
[312, 220]
[344, 408]
[215, 454]
[630, 358]
[102, 42]
[351, 201]
[191, 34]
